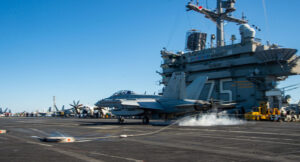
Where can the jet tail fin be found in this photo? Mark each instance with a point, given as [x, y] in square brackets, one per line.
[194, 90]
[175, 88]
[56, 108]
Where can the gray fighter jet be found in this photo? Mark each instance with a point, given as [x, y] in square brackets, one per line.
[177, 99]
[2, 113]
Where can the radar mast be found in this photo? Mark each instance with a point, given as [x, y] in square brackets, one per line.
[218, 16]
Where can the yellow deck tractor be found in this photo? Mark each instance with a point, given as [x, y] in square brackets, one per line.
[263, 112]
[259, 113]
[275, 114]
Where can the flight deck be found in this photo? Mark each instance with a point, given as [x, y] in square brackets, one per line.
[99, 140]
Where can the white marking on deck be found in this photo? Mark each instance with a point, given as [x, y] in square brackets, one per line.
[119, 157]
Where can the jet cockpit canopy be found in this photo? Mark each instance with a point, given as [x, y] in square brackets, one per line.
[123, 92]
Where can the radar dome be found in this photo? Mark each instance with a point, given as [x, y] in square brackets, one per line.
[247, 33]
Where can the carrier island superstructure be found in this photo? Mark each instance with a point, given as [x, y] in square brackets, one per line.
[246, 72]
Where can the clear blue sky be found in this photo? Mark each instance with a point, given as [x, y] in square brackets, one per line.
[88, 49]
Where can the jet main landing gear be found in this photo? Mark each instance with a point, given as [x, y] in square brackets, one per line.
[145, 120]
[121, 120]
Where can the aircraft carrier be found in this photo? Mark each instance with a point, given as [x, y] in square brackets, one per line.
[246, 72]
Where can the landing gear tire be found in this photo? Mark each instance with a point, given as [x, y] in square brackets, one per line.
[121, 120]
[145, 120]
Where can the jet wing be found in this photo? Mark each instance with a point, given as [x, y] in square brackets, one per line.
[195, 107]
[143, 103]
[151, 105]
[200, 105]
[185, 106]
